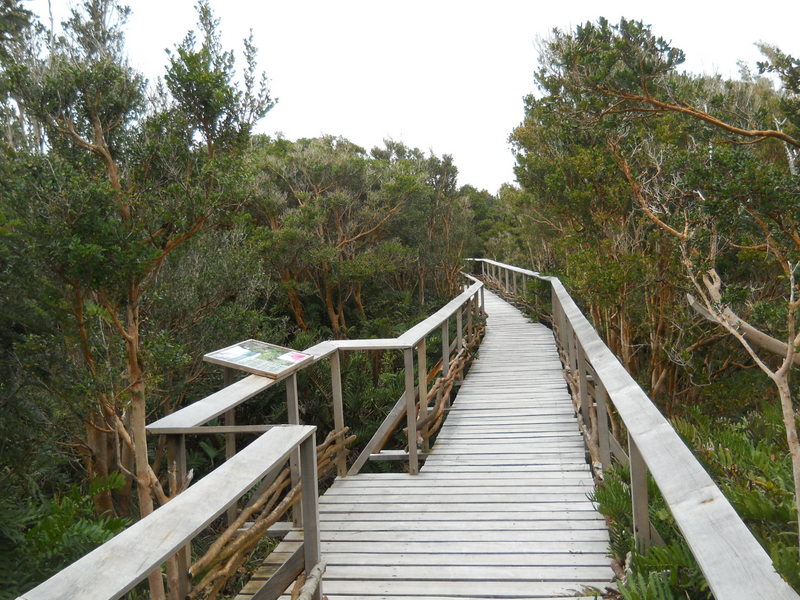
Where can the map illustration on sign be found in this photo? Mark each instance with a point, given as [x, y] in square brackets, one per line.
[258, 357]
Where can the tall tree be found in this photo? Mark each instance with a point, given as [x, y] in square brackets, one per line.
[122, 187]
[712, 165]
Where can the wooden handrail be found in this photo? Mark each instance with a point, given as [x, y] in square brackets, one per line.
[128, 558]
[223, 402]
[210, 407]
[733, 562]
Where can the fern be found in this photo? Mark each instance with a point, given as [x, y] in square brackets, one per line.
[749, 460]
[678, 566]
[648, 586]
[39, 539]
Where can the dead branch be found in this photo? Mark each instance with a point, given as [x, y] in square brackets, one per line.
[750, 333]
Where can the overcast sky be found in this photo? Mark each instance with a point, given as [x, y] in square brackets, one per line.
[442, 75]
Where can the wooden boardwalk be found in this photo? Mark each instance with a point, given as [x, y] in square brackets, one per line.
[499, 509]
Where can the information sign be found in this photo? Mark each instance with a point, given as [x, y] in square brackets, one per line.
[258, 357]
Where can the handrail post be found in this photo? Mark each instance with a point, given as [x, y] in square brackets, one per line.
[603, 433]
[508, 288]
[567, 344]
[583, 391]
[411, 417]
[293, 417]
[309, 507]
[470, 328]
[176, 463]
[459, 329]
[558, 316]
[230, 438]
[422, 378]
[573, 349]
[338, 407]
[446, 352]
[483, 300]
[639, 499]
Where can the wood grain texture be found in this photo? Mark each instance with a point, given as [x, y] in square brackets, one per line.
[734, 564]
[499, 508]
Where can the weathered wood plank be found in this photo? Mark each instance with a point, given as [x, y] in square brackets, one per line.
[582, 535]
[733, 562]
[416, 490]
[499, 524]
[446, 498]
[214, 405]
[425, 559]
[453, 573]
[500, 505]
[469, 589]
[406, 507]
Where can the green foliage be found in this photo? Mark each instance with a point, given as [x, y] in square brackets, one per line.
[668, 571]
[652, 586]
[39, 538]
[201, 79]
[747, 458]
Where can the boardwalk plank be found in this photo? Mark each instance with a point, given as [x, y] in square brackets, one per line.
[500, 507]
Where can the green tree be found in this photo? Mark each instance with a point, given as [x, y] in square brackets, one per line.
[712, 165]
[121, 188]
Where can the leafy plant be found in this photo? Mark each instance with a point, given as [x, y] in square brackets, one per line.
[38, 539]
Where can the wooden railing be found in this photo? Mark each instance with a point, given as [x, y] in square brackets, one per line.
[164, 537]
[734, 564]
[465, 308]
[118, 565]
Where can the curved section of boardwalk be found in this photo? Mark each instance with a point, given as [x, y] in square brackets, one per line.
[499, 509]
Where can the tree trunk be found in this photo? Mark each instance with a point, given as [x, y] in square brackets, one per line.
[297, 308]
[357, 288]
[97, 464]
[138, 414]
[790, 423]
[333, 316]
[626, 347]
[294, 301]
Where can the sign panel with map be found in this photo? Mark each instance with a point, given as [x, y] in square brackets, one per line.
[258, 357]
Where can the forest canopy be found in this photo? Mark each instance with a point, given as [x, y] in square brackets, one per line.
[143, 224]
[669, 203]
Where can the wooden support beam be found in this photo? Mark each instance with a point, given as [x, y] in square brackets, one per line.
[176, 465]
[283, 577]
[411, 417]
[293, 416]
[228, 377]
[422, 378]
[603, 429]
[459, 329]
[639, 497]
[583, 390]
[310, 508]
[338, 407]
[446, 351]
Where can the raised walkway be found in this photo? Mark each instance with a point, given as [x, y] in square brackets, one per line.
[499, 509]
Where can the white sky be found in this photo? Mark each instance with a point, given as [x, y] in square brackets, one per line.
[443, 75]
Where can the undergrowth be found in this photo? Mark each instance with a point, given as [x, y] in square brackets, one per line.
[749, 461]
[41, 536]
